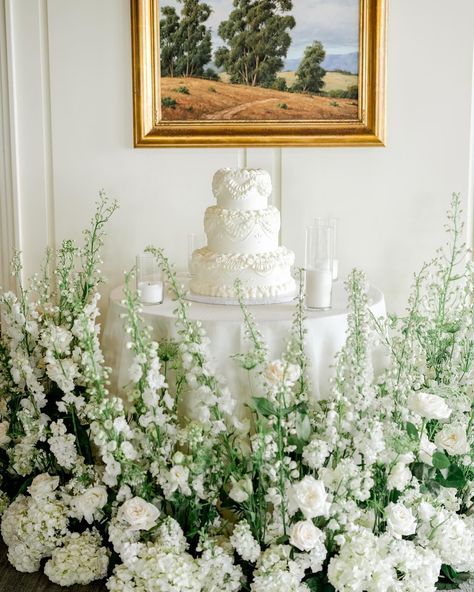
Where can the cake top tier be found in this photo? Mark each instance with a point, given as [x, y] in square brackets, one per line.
[242, 189]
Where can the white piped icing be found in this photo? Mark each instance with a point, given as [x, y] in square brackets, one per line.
[254, 231]
[242, 189]
[242, 233]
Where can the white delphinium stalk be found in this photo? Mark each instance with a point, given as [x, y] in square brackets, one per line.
[62, 445]
[81, 560]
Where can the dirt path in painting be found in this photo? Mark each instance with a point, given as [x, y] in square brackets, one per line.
[233, 111]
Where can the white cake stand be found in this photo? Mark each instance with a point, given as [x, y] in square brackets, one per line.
[282, 299]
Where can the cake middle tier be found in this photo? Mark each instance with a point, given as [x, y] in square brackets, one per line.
[240, 231]
[262, 275]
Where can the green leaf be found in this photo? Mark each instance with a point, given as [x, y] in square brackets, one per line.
[303, 427]
[440, 460]
[264, 406]
[454, 478]
[412, 431]
[283, 539]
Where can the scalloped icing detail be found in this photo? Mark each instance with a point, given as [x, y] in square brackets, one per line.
[258, 262]
[248, 292]
[240, 224]
[239, 183]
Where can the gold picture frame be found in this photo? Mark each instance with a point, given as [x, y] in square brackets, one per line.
[152, 132]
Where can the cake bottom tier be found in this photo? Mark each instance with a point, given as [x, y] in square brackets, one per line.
[262, 275]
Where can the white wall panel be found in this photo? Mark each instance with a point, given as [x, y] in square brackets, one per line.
[390, 201]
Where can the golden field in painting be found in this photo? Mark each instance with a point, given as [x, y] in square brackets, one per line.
[191, 99]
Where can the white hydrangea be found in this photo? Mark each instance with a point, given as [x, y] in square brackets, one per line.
[276, 572]
[315, 453]
[81, 560]
[218, 573]
[32, 528]
[156, 570]
[244, 543]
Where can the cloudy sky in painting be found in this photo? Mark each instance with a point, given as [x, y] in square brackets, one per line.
[334, 22]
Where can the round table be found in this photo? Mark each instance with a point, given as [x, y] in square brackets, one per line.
[223, 324]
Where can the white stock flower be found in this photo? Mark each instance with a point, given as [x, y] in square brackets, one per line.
[427, 449]
[43, 485]
[309, 496]
[428, 405]
[86, 504]
[304, 535]
[400, 477]
[241, 490]
[244, 543]
[400, 520]
[4, 437]
[453, 439]
[138, 513]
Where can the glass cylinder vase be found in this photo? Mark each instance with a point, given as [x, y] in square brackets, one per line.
[150, 284]
[319, 266]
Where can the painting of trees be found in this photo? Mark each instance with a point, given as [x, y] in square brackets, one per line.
[257, 37]
[310, 74]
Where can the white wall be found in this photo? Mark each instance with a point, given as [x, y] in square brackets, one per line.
[68, 82]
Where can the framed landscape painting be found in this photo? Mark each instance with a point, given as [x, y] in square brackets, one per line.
[258, 72]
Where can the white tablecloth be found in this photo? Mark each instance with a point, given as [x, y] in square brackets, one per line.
[224, 326]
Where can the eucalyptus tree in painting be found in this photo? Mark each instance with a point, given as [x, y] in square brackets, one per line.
[310, 73]
[257, 37]
[185, 39]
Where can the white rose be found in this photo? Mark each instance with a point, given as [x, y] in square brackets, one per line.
[453, 439]
[43, 485]
[399, 477]
[86, 504]
[310, 497]
[241, 490]
[279, 371]
[304, 535]
[426, 511]
[427, 450]
[400, 520]
[139, 514]
[4, 437]
[428, 406]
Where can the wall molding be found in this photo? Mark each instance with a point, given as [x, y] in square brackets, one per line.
[9, 214]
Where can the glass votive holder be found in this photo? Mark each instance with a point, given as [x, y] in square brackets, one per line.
[150, 283]
[195, 241]
[333, 223]
[318, 266]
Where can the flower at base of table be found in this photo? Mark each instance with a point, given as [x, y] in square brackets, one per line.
[81, 560]
[400, 520]
[428, 405]
[4, 437]
[309, 496]
[305, 536]
[244, 543]
[453, 439]
[43, 485]
[138, 514]
[241, 490]
[86, 505]
[427, 449]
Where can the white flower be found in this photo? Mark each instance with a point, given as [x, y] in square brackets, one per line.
[400, 520]
[428, 406]
[304, 535]
[399, 477]
[139, 514]
[310, 496]
[86, 504]
[43, 485]
[244, 543]
[241, 490]
[4, 437]
[81, 560]
[453, 439]
[178, 478]
[278, 372]
[427, 450]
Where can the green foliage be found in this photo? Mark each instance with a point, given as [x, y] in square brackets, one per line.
[185, 40]
[184, 90]
[310, 74]
[210, 74]
[169, 102]
[334, 104]
[280, 84]
[350, 93]
[257, 38]
[282, 106]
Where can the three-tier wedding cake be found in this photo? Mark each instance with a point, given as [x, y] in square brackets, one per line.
[242, 241]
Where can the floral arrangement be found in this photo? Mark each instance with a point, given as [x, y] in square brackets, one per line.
[369, 490]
